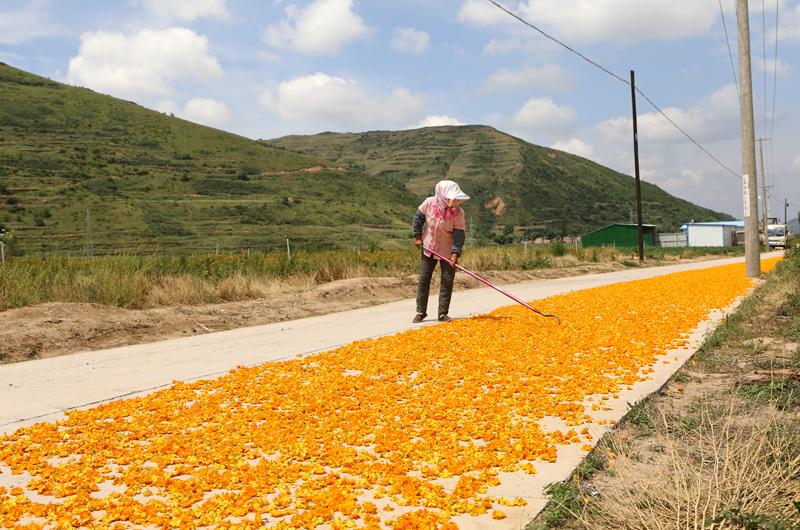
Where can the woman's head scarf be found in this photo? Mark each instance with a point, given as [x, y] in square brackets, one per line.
[446, 191]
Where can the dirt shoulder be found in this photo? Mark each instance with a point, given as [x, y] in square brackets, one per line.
[718, 446]
[57, 328]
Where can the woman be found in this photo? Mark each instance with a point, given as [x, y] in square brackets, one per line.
[443, 221]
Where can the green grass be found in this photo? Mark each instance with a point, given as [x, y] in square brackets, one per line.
[639, 414]
[564, 503]
[785, 393]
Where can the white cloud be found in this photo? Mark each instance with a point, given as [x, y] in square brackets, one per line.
[714, 118]
[199, 110]
[322, 27]
[29, 23]
[576, 146]
[142, 64]
[340, 103]
[437, 121]
[622, 20]
[548, 77]
[168, 106]
[207, 111]
[410, 40]
[481, 13]
[602, 20]
[789, 28]
[694, 176]
[542, 115]
[769, 65]
[187, 9]
[797, 161]
[498, 46]
[688, 181]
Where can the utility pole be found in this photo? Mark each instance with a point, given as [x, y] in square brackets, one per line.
[764, 196]
[639, 238]
[785, 209]
[752, 251]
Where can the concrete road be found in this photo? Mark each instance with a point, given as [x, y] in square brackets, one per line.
[41, 390]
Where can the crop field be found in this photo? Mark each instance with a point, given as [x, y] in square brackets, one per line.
[418, 430]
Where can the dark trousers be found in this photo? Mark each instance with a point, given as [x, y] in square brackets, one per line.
[448, 274]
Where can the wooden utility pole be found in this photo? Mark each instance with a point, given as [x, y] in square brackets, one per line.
[785, 211]
[639, 236]
[764, 197]
[752, 251]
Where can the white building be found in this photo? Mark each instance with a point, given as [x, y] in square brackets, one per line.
[714, 234]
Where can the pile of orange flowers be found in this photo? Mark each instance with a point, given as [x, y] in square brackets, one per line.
[406, 431]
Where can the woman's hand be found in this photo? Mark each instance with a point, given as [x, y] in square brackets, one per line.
[454, 258]
[418, 242]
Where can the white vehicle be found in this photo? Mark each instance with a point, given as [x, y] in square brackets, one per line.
[776, 235]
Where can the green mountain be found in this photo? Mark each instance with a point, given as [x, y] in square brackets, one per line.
[519, 188]
[152, 182]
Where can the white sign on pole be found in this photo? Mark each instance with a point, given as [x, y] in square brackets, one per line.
[746, 191]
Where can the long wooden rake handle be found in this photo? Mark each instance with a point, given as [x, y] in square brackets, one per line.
[489, 284]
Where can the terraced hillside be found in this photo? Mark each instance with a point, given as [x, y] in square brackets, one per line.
[154, 182]
[516, 184]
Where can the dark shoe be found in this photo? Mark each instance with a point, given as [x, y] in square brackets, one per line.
[419, 317]
[444, 318]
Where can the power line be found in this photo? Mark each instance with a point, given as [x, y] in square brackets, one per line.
[728, 42]
[618, 78]
[547, 35]
[764, 61]
[695, 142]
[774, 71]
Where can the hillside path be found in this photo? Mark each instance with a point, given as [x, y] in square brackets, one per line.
[42, 389]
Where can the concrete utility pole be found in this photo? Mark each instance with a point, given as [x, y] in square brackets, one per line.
[752, 251]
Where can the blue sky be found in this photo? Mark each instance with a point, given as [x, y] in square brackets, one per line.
[269, 68]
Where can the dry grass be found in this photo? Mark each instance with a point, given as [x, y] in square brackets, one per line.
[182, 289]
[732, 467]
[185, 289]
[149, 281]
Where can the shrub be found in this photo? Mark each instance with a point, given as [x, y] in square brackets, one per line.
[558, 249]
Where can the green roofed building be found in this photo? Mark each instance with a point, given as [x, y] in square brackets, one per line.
[618, 235]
